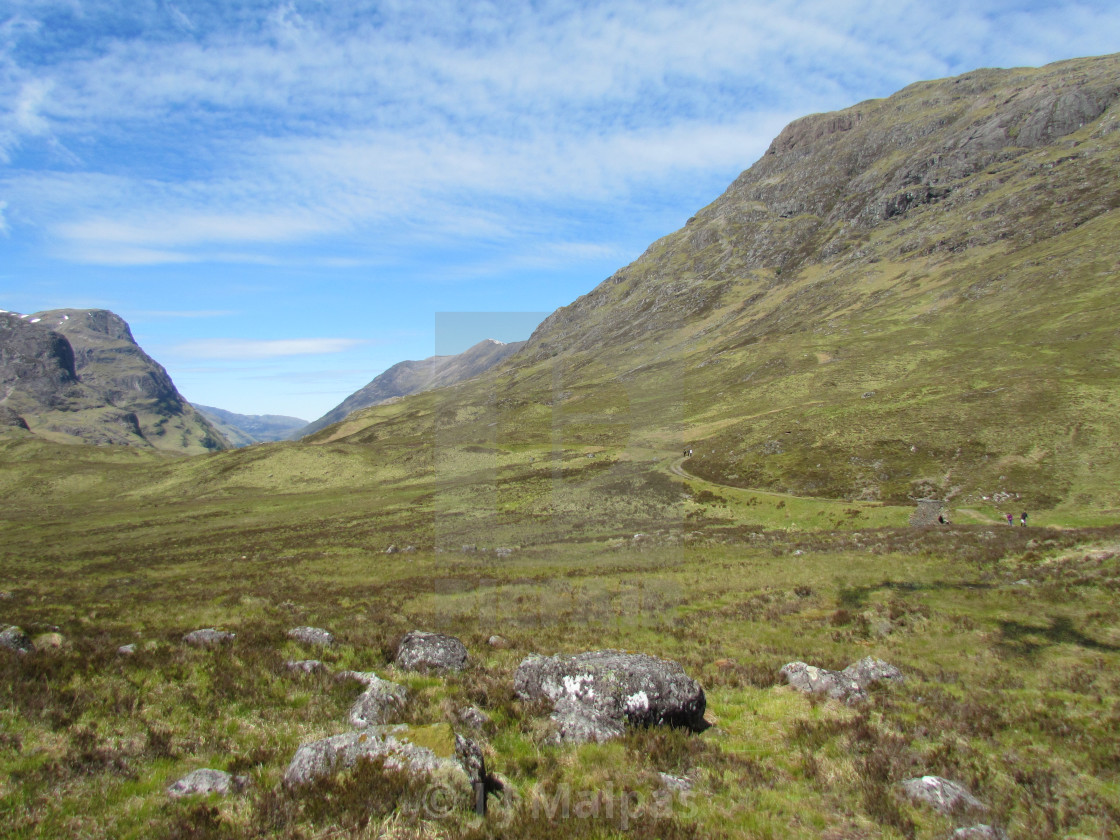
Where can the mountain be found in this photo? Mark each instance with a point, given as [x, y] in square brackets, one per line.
[915, 296]
[77, 375]
[411, 377]
[246, 429]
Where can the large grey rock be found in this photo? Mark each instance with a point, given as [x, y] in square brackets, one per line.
[451, 761]
[209, 637]
[379, 703]
[813, 680]
[595, 694]
[206, 781]
[14, 639]
[311, 636]
[849, 686]
[944, 795]
[420, 651]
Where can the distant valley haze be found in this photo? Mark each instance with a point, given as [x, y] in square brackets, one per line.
[285, 199]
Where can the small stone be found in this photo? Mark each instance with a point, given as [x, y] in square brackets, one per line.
[209, 637]
[677, 784]
[5, 596]
[392, 550]
[206, 781]
[311, 636]
[499, 643]
[473, 717]
[127, 650]
[14, 639]
[979, 832]
[305, 666]
[364, 677]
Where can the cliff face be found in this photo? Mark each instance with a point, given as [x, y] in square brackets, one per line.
[75, 374]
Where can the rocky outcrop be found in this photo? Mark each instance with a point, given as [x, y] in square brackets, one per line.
[849, 686]
[943, 795]
[430, 652]
[378, 704]
[14, 639]
[207, 781]
[311, 636]
[596, 694]
[209, 637]
[449, 760]
[9, 418]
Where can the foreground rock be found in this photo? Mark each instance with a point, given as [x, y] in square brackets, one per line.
[14, 639]
[379, 703]
[945, 796]
[432, 652]
[450, 761]
[595, 694]
[312, 636]
[209, 637]
[849, 686]
[206, 781]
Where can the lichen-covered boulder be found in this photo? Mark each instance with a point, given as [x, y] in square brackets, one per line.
[450, 761]
[431, 652]
[209, 637]
[943, 795]
[206, 781]
[379, 703]
[595, 694]
[312, 636]
[14, 639]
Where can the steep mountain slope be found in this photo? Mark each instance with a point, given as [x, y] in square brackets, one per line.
[411, 377]
[911, 297]
[246, 429]
[78, 375]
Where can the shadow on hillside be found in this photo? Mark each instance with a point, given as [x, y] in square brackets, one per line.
[1019, 639]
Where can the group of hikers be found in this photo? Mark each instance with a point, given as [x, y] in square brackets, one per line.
[1010, 519]
[688, 453]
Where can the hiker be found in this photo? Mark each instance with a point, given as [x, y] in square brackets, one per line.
[940, 519]
[1023, 519]
[1010, 519]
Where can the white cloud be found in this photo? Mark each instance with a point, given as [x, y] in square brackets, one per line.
[240, 348]
[4, 228]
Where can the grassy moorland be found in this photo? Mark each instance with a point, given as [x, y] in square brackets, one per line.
[1009, 637]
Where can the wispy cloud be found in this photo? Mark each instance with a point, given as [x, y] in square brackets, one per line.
[238, 349]
[451, 118]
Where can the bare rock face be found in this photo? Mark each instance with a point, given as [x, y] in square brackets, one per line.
[450, 761]
[596, 694]
[943, 795]
[849, 686]
[14, 639]
[433, 652]
[378, 704]
[206, 781]
[209, 637]
[311, 636]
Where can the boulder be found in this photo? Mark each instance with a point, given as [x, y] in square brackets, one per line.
[595, 694]
[849, 686]
[473, 717]
[943, 795]
[14, 639]
[453, 763]
[206, 781]
[49, 641]
[419, 651]
[305, 666]
[379, 703]
[311, 636]
[209, 637]
[979, 832]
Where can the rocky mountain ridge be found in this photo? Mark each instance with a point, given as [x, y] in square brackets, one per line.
[78, 375]
[412, 377]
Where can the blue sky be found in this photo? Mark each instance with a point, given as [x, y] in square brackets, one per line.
[280, 197]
